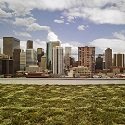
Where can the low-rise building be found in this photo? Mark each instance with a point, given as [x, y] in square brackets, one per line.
[34, 68]
[81, 71]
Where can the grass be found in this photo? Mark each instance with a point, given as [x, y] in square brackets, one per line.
[62, 105]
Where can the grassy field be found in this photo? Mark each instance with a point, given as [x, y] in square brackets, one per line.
[62, 105]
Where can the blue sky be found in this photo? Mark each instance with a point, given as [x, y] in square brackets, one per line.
[99, 23]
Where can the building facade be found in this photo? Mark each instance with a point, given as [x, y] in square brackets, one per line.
[31, 57]
[22, 60]
[58, 67]
[43, 63]
[67, 57]
[9, 44]
[86, 57]
[6, 66]
[99, 63]
[108, 58]
[16, 59]
[40, 53]
[29, 44]
[2, 57]
[118, 60]
[49, 53]
[81, 71]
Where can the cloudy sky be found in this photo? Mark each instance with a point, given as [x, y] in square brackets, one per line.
[99, 23]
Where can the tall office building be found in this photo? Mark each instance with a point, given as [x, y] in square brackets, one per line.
[40, 53]
[86, 57]
[118, 60]
[108, 58]
[67, 57]
[29, 44]
[16, 59]
[7, 66]
[49, 53]
[58, 60]
[9, 44]
[3, 65]
[22, 60]
[99, 63]
[31, 57]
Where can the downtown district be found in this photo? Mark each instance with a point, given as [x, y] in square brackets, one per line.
[57, 61]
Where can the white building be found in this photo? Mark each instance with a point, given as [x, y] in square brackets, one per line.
[22, 60]
[49, 52]
[31, 57]
[58, 67]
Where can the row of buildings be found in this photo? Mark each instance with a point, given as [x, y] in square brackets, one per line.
[14, 59]
[55, 60]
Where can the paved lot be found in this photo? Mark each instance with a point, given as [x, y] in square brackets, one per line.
[62, 81]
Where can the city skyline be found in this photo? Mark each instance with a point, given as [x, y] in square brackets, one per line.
[75, 23]
[55, 63]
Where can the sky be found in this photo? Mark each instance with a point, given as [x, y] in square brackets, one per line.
[98, 23]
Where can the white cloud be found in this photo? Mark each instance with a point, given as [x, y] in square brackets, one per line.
[59, 21]
[117, 45]
[61, 17]
[70, 18]
[30, 24]
[120, 35]
[98, 11]
[36, 27]
[109, 16]
[4, 14]
[40, 44]
[81, 27]
[24, 21]
[23, 34]
[19, 8]
[52, 36]
[98, 15]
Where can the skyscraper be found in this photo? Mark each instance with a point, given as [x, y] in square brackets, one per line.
[49, 53]
[31, 57]
[99, 63]
[118, 60]
[22, 60]
[108, 58]
[58, 60]
[86, 57]
[16, 59]
[7, 66]
[67, 57]
[40, 53]
[9, 44]
[29, 44]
